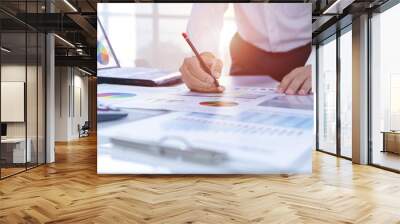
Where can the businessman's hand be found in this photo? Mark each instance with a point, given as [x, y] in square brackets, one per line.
[196, 78]
[298, 81]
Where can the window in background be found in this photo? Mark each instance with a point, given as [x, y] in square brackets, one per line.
[327, 96]
[313, 62]
[175, 9]
[346, 93]
[119, 24]
[168, 47]
[385, 84]
[394, 101]
[149, 35]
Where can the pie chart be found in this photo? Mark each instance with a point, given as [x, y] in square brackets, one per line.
[219, 103]
[102, 54]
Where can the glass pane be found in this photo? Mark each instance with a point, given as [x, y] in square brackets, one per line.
[32, 89]
[386, 89]
[144, 8]
[41, 98]
[346, 93]
[120, 19]
[171, 49]
[175, 9]
[144, 41]
[327, 96]
[31, 98]
[13, 87]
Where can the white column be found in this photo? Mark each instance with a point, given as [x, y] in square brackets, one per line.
[360, 90]
[50, 92]
[50, 99]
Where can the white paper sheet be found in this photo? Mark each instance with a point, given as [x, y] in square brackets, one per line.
[232, 101]
[253, 142]
[258, 130]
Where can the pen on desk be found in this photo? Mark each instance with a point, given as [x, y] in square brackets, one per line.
[202, 63]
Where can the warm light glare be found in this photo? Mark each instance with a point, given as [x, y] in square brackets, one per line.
[86, 72]
[64, 40]
[70, 5]
[328, 10]
[5, 50]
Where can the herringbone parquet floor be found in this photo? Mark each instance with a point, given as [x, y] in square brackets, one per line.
[70, 191]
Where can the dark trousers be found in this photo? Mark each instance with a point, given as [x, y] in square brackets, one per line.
[248, 59]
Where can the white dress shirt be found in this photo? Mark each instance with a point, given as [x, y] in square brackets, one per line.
[273, 27]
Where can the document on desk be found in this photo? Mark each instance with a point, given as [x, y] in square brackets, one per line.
[248, 142]
[232, 101]
[246, 129]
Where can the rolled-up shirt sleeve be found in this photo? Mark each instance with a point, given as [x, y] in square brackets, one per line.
[205, 24]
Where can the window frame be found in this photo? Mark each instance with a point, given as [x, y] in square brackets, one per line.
[371, 14]
[333, 37]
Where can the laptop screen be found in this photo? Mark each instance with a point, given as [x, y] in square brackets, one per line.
[105, 54]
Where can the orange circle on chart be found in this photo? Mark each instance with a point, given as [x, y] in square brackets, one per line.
[219, 103]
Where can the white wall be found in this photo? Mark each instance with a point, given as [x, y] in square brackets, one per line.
[34, 125]
[71, 94]
[16, 73]
[80, 110]
[61, 103]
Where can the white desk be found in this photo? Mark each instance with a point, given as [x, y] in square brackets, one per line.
[18, 149]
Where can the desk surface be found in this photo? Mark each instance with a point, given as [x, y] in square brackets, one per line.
[390, 132]
[13, 140]
[115, 160]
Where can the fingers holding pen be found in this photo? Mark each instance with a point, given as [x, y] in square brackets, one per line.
[194, 83]
[214, 64]
[197, 71]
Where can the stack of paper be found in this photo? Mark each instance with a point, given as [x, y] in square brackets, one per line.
[247, 129]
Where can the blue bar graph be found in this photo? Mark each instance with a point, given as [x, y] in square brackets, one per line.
[248, 122]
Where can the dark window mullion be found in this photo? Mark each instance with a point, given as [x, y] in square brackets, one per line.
[338, 98]
[37, 90]
[26, 87]
[317, 96]
[369, 78]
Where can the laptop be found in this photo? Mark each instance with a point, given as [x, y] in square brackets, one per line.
[110, 71]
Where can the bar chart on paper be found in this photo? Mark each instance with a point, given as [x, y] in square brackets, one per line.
[252, 123]
[290, 102]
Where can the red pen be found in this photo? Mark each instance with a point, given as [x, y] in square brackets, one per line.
[202, 63]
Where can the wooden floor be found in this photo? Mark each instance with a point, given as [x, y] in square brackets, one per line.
[387, 159]
[5, 172]
[70, 191]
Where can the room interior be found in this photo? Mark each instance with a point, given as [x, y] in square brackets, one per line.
[48, 78]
